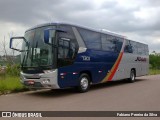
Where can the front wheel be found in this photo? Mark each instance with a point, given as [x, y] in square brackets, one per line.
[84, 83]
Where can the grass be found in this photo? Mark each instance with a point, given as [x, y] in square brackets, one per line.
[154, 71]
[10, 84]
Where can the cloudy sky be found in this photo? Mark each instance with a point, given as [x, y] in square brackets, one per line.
[139, 20]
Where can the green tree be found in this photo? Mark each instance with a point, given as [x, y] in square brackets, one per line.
[154, 60]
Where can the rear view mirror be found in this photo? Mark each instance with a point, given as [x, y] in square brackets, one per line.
[16, 43]
[47, 36]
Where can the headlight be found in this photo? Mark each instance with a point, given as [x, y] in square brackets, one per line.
[46, 81]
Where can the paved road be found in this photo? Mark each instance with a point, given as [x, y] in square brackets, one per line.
[143, 95]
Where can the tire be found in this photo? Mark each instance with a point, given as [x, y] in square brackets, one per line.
[132, 76]
[84, 83]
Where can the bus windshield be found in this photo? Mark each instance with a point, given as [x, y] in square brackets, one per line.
[39, 53]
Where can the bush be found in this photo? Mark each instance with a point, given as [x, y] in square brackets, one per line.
[154, 71]
[154, 60]
[13, 70]
[10, 84]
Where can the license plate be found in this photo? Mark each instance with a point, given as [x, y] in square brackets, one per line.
[31, 82]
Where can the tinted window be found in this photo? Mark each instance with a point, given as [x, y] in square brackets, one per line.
[128, 47]
[60, 49]
[108, 43]
[67, 47]
[140, 48]
[146, 50]
[64, 49]
[91, 38]
[143, 48]
[134, 47]
[119, 42]
[39, 54]
[111, 43]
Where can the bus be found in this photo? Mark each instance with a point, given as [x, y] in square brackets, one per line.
[64, 55]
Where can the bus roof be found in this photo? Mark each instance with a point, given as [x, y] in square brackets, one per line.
[74, 25]
[104, 31]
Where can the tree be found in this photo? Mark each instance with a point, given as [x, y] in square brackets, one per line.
[9, 57]
[7, 53]
[154, 60]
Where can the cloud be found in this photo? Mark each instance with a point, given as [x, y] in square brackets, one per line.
[31, 12]
[138, 20]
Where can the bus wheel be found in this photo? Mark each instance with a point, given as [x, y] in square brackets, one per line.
[84, 83]
[132, 76]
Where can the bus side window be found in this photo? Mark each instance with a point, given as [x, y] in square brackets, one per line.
[108, 43]
[72, 50]
[60, 49]
[67, 46]
[63, 48]
[128, 47]
[118, 44]
[66, 52]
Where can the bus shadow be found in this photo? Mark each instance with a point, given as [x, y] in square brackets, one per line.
[113, 83]
[70, 91]
[53, 93]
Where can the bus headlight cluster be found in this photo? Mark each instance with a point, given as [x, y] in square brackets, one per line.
[46, 81]
[48, 71]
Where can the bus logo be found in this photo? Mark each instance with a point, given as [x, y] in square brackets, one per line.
[86, 58]
[141, 59]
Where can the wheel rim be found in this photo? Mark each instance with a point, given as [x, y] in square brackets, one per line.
[84, 83]
[132, 76]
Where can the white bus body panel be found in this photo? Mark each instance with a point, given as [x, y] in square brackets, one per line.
[129, 62]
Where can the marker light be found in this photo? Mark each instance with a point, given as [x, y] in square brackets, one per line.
[63, 74]
[100, 71]
[74, 73]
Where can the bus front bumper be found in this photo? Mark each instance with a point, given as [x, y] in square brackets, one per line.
[40, 81]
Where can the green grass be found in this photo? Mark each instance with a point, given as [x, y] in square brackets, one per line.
[154, 71]
[10, 84]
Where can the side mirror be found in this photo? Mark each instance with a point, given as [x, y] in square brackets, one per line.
[50, 33]
[17, 42]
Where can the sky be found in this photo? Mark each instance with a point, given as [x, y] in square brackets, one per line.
[138, 20]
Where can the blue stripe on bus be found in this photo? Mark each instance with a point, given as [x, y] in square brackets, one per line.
[99, 61]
